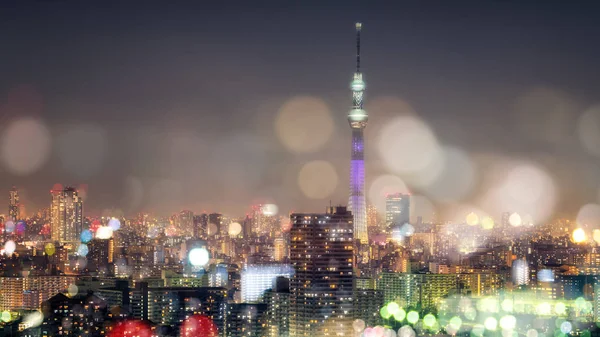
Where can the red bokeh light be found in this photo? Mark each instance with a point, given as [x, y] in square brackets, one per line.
[131, 328]
[95, 225]
[198, 325]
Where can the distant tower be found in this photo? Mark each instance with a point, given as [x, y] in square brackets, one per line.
[358, 121]
[13, 204]
[66, 213]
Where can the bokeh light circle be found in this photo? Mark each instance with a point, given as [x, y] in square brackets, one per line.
[9, 247]
[304, 124]
[25, 146]
[235, 229]
[317, 179]
[199, 257]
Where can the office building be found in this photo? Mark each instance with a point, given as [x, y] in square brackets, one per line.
[397, 210]
[278, 309]
[322, 254]
[66, 215]
[279, 250]
[245, 320]
[402, 288]
[13, 205]
[256, 279]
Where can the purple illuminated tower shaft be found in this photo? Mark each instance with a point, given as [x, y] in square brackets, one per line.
[357, 117]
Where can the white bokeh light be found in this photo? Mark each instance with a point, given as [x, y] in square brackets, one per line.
[317, 179]
[9, 247]
[523, 188]
[304, 124]
[588, 130]
[26, 145]
[199, 257]
[457, 178]
[589, 215]
[409, 148]
[104, 232]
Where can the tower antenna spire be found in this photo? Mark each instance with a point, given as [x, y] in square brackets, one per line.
[358, 27]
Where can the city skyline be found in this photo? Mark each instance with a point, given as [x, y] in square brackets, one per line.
[151, 89]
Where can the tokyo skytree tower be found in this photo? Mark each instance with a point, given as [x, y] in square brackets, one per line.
[357, 117]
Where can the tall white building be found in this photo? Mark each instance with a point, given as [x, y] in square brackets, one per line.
[256, 279]
[66, 215]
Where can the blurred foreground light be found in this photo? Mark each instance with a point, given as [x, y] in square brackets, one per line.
[560, 309]
[531, 333]
[472, 219]
[566, 327]
[104, 232]
[596, 235]
[131, 328]
[199, 257]
[515, 220]
[408, 147]
[412, 317]
[456, 178]
[304, 124]
[198, 325]
[270, 209]
[49, 249]
[400, 315]
[392, 307]
[5, 316]
[523, 187]
[429, 320]
[25, 147]
[454, 325]
[384, 312]
[114, 224]
[491, 323]
[544, 309]
[72, 290]
[487, 223]
[235, 229]
[9, 247]
[589, 215]
[86, 236]
[83, 250]
[508, 322]
[406, 331]
[317, 179]
[33, 319]
[9, 227]
[588, 130]
[579, 235]
[358, 325]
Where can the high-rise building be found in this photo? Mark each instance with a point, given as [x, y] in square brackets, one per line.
[200, 226]
[256, 279]
[245, 319]
[13, 204]
[278, 308]
[66, 215]
[397, 210]
[322, 254]
[215, 224]
[100, 254]
[404, 289]
[279, 249]
[357, 117]
[185, 223]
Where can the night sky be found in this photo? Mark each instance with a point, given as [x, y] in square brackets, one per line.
[170, 105]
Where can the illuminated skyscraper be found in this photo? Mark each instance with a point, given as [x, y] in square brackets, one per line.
[357, 117]
[66, 215]
[256, 279]
[397, 210]
[13, 205]
[322, 253]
